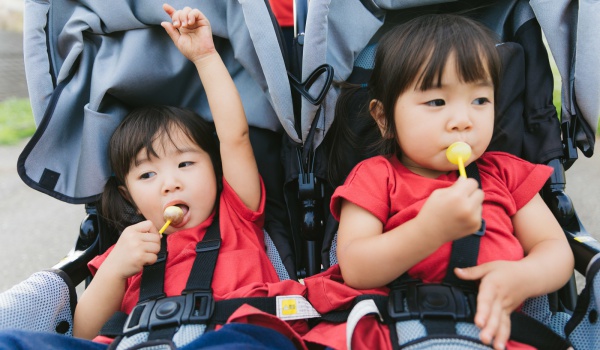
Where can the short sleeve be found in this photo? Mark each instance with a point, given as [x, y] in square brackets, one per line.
[368, 186]
[234, 201]
[522, 178]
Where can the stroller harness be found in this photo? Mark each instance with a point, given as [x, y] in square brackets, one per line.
[162, 317]
[422, 315]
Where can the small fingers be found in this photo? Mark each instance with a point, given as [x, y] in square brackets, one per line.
[492, 324]
[168, 9]
[503, 333]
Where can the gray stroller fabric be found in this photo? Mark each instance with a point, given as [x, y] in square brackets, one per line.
[337, 31]
[571, 28]
[43, 302]
[108, 57]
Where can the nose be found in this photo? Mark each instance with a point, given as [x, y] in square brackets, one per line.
[171, 184]
[460, 120]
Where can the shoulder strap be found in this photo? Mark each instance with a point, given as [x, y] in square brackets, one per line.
[153, 276]
[465, 250]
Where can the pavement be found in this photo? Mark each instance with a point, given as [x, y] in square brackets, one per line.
[36, 230]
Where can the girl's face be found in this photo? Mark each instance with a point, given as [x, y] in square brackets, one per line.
[427, 122]
[181, 175]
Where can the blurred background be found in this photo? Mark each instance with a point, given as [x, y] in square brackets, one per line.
[36, 230]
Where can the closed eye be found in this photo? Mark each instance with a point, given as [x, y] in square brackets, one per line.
[436, 103]
[481, 101]
[185, 164]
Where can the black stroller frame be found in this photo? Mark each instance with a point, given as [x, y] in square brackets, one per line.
[292, 151]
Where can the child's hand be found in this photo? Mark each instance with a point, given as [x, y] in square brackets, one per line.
[501, 291]
[137, 246]
[453, 212]
[190, 31]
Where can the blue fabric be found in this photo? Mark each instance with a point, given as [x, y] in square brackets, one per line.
[242, 336]
[230, 336]
[29, 340]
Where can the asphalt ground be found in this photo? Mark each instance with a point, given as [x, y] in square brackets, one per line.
[36, 230]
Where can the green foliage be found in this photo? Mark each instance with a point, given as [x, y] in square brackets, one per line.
[16, 121]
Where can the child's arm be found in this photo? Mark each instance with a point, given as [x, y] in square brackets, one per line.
[369, 259]
[191, 33]
[547, 266]
[137, 246]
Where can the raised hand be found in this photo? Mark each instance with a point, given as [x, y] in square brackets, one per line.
[190, 31]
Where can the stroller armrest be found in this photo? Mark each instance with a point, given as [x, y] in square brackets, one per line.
[584, 246]
[43, 302]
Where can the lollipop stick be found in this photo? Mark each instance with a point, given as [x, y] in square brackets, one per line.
[461, 167]
[162, 230]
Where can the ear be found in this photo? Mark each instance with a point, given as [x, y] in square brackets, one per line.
[125, 193]
[376, 110]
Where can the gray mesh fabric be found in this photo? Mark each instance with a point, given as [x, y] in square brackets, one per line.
[40, 303]
[587, 333]
[273, 255]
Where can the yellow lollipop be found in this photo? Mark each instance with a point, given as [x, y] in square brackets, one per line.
[172, 214]
[458, 153]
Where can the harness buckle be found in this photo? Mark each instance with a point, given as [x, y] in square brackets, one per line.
[429, 301]
[199, 307]
[195, 307]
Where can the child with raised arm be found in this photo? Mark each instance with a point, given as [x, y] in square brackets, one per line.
[433, 84]
[165, 156]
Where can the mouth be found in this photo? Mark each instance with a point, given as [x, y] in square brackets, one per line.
[185, 209]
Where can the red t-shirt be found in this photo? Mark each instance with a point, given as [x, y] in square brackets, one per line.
[243, 268]
[283, 11]
[394, 194]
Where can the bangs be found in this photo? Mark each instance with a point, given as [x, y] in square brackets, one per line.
[475, 61]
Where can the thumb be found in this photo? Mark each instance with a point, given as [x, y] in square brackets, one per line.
[470, 273]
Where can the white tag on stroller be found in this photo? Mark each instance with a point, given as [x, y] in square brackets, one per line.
[294, 307]
[360, 310]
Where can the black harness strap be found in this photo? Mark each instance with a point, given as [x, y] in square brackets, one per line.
[152, 284]
[207, 252]
[465, 250]
[199, 282]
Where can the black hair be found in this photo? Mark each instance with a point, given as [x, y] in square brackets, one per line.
[415, 51]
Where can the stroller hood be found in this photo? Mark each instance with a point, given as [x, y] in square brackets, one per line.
[89, 62]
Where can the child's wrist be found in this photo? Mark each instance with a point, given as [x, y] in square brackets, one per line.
[206, 59]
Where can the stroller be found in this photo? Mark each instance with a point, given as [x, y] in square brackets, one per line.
[69, 46]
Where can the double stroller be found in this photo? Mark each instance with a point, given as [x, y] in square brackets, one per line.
[88, 63]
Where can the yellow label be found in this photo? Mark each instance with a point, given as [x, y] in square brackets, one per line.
[288, 307]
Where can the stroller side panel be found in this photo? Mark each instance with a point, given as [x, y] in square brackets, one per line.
[44, 302]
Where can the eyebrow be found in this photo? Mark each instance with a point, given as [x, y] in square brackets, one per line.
[178, 151]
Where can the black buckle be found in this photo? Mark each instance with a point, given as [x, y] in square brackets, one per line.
[193, 307]
[427, 301]
[208, 245]
[199, 307]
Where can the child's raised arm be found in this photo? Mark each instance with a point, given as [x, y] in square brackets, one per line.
[191, 33]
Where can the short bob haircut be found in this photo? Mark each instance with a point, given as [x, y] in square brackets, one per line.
[137, 132]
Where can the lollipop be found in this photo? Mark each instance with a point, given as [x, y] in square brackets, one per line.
[172, 214]
[457, 153]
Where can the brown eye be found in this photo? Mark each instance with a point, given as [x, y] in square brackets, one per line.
[147, 175]
[481, 101]
[436, 103]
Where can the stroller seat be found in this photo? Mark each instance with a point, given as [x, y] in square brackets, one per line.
[84, 62]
